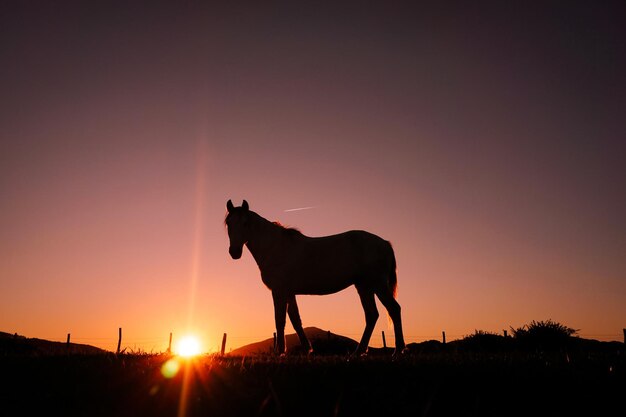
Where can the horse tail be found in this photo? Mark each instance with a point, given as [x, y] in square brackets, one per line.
[393, 274]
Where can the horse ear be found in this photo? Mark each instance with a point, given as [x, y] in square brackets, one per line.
[245, 205]
[229, 206]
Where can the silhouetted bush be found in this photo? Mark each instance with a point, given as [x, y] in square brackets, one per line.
[485, 341]
[544, 335]
[427, 347]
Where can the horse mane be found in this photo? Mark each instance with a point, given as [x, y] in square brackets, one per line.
[289, 231]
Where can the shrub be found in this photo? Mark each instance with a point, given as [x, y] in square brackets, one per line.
[544, 335]
[485, 341]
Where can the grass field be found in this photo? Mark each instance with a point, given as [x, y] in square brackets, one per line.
[424, 384]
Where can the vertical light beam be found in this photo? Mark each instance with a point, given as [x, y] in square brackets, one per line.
[198, 225]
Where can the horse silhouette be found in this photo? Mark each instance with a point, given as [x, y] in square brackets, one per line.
[292, 264]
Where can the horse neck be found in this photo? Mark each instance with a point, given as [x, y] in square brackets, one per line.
[266, 240]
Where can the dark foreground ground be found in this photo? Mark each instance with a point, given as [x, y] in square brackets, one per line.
[435, 384]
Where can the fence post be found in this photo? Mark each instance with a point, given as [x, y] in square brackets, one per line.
[68, 340]
[505, 333]
[443, 333]
[384, 341]
[223, 344]
[169, 347]
[119, 341]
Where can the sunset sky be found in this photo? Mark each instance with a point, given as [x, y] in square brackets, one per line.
[486, 142]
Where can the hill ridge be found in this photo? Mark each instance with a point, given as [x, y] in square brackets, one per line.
[323, 341]
[15, 344]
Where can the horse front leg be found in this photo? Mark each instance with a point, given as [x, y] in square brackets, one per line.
[294, 316]
[371, 316]
[280, 313]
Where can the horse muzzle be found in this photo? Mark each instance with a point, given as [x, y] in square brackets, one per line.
[235, 253]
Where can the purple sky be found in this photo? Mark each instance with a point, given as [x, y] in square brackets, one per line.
[486, 142]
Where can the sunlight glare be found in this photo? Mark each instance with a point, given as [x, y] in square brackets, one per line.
[170, 368]
[188, 346]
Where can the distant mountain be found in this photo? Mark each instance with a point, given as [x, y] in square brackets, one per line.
[14, 344]
[323, 341]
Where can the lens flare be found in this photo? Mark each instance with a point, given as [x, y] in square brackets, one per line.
[188, 346]
[170, 368]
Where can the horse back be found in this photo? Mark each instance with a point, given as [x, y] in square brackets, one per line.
[324, 265]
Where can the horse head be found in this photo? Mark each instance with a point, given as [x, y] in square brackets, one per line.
[237, 225]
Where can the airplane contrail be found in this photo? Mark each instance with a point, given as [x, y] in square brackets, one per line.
[299, 208]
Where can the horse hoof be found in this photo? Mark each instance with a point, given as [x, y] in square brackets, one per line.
[402, 352]
[358, 355]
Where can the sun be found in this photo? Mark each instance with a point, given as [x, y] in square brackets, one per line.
[188, 346]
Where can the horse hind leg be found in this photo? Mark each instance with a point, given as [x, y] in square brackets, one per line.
[393, 308]
[371, 316]
[294, 316]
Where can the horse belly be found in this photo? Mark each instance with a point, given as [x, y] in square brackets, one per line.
[323, 284]
[328, 275]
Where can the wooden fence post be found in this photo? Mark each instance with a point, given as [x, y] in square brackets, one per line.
[384, 341]
[119, 341]
[223, 344]
[169, 347]
[68, 340]
[505, 333]
[443, 333]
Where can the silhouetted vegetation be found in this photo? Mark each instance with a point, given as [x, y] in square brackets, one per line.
[544, 335]
[485, 341]
[436, 384]
[537, 336]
